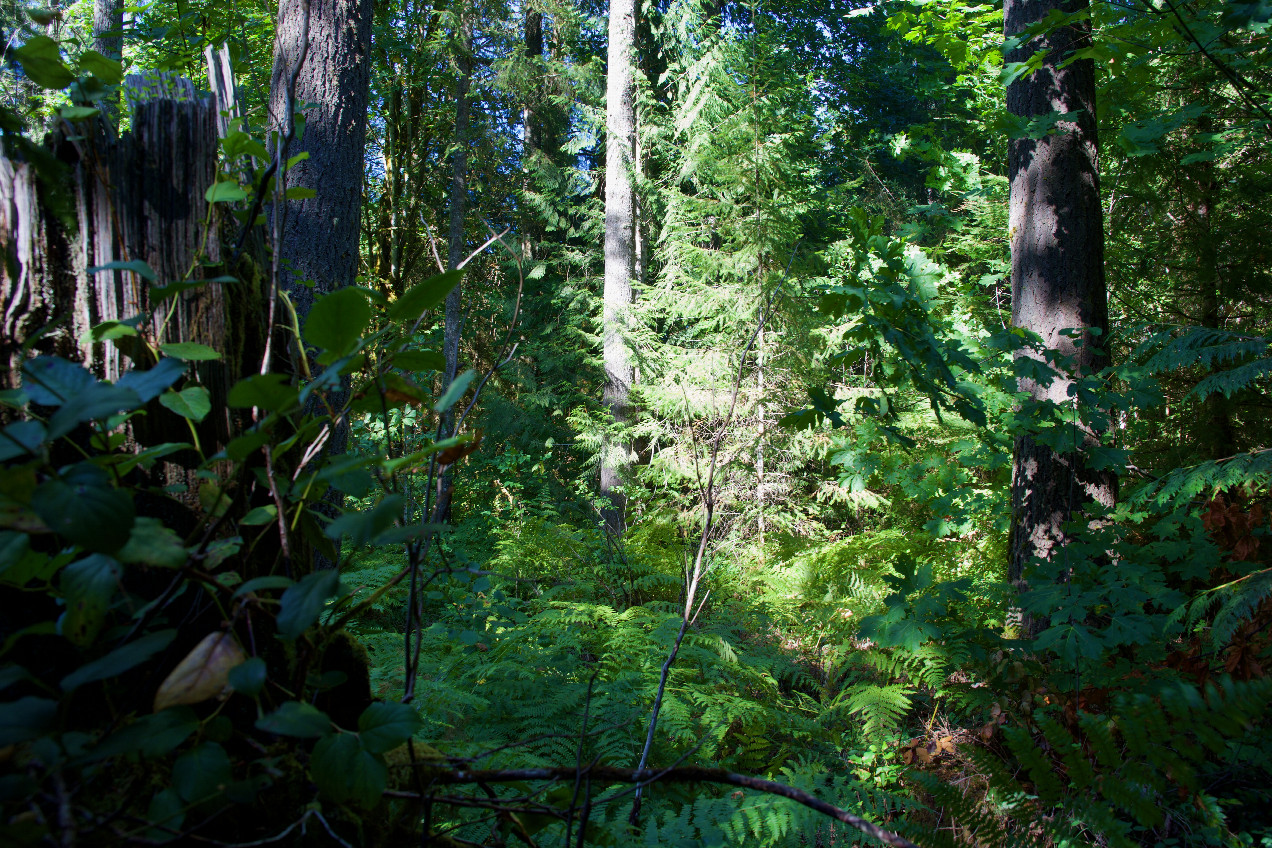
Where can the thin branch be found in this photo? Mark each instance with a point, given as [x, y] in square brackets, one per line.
[684, 774]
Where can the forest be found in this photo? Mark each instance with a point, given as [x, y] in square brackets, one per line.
[679, 422]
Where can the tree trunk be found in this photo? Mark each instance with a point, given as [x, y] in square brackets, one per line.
[620, 247]
[332, 42]
[457, 244]
[108, 26]
[325, 46]
[1057, 270]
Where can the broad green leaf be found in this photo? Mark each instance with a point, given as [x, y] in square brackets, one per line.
[52, 381]
[201, 773]
[192, 402]
[189, 351]
[166, 813]
[303, 602]
[151, 543]
[337, 320]
[25, 718]
[42, 63]
[296, 718]
[385, 725]
[455, 390]
[249, 677]
[269, 581]
[425, 296]
[82, 507]
[344, 771]
[136, 266]
[225, 192]
[271, 392]
[119, 660]
[97, 401]
[107, 70]
[78, 113]
[364, 525]
[151, 736]
[260, 515]
[419, 360]
[150, 384]
[21, 438]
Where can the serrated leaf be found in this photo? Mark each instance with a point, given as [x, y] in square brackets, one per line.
[81, 506]
[302, 603]
[385, 725]
[151, 543]
[203, 674]
[192, 402]
[296, 718]
[88, 586]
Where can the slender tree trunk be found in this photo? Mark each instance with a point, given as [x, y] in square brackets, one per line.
[325, 46]
[620, 246]
[1219, 435]
[457, 244]
[1057, 276]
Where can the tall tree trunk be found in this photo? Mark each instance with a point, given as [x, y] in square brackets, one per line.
[1057, 270]
[457, 244]
[620, 246]
[325, 46]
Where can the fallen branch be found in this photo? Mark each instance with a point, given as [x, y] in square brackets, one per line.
[683, 774]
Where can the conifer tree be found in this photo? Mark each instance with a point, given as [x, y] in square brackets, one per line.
[620, 245]
[1057, 276]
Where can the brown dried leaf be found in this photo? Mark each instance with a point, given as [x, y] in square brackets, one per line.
[945, 744]
[203, 674]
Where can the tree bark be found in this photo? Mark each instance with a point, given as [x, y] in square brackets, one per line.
[1057, 271]
[620, 247]
[108, 26]
[325, 46]
[320, 240]
[457, 243]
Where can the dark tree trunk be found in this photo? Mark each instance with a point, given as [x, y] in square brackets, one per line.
[333, 42]
[1057, 270]
[325, 45]
[620, 246]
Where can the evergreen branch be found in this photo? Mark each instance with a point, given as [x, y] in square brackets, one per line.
[683, 774]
